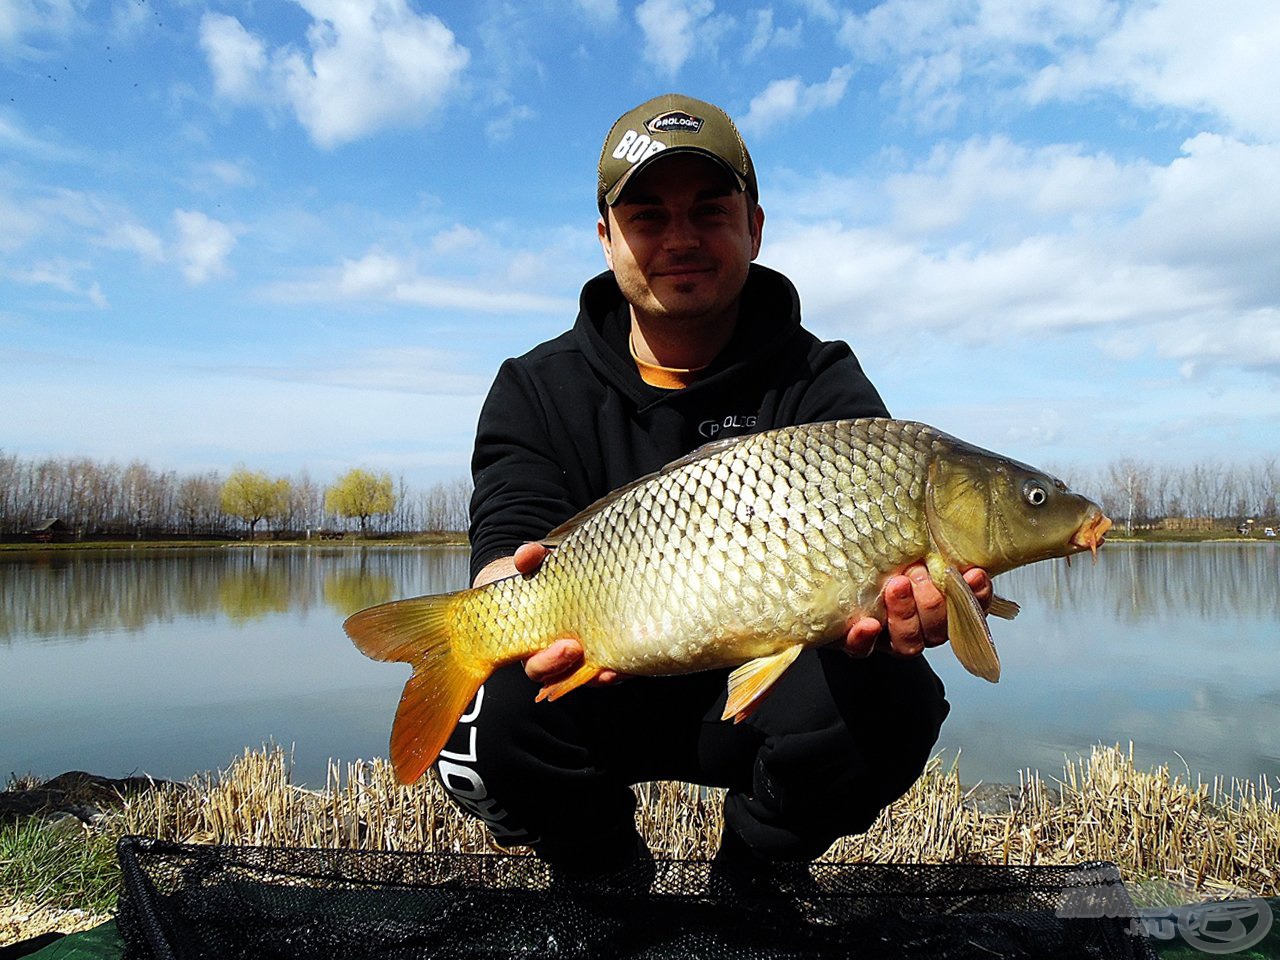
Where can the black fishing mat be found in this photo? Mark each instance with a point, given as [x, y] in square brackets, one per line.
[193, 901]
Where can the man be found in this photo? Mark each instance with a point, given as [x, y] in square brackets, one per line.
[682, 340]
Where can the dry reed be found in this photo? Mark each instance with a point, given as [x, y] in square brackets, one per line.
[1215, 839]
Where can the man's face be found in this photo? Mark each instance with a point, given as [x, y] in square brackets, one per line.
[680, 238]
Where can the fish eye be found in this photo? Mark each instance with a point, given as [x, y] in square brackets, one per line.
[1034, 493]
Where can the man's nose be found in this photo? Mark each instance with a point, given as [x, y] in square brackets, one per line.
[681, 234]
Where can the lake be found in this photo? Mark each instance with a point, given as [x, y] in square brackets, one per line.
[171, 662]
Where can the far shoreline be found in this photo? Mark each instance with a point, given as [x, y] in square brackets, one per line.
[460, 539]
[442, 539]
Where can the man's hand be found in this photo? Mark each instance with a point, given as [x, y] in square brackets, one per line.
[916, 612]
[564, 656]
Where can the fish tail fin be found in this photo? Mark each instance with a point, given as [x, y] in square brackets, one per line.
[421, 632]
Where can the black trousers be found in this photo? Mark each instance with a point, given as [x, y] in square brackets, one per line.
[836, 741]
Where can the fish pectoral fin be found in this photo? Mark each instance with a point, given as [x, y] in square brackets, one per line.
[967, 628]
[584, 674]
[1003, 607]
[750, 683]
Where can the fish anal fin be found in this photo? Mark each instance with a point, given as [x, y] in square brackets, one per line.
[750, 683]
[1003, 607]
[967, 628]
[584, 674]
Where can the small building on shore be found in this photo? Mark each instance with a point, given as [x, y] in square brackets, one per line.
[50, 530]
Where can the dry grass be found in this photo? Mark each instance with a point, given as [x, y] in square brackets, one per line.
[1174, 842]
[1216, 838]
[1195, 841]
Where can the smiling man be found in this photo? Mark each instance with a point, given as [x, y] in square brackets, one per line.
[684, 339]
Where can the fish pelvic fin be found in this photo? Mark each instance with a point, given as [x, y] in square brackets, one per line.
[584, 674]
[420, 632]
[1003, 607]
[967, 628]
[750, 683]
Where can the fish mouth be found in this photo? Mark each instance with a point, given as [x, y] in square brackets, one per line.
[1091, 533]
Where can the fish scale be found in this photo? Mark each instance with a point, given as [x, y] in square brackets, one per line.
[738, 555]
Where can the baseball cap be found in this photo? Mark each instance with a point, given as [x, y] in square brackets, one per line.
[671, 122]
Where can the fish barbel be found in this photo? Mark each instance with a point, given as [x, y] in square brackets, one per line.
[741, 554]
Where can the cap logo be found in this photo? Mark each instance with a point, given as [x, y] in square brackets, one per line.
[634, 147]
[674, 121]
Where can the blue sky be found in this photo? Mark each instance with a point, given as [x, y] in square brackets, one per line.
[302, 236]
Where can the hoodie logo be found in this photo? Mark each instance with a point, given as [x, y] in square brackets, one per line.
[674, 121]
[711, 428]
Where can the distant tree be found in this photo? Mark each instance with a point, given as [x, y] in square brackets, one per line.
[360, 494]
[197, 502]
[253, 497]
[1129, 480]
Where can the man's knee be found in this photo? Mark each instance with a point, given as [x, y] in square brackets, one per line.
[859, 753]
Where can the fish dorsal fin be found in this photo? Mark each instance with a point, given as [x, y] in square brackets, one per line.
[557, 536]
[967, 628]
[1003, 607]
[751, 682]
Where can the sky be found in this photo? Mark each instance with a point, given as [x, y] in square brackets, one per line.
[302, 236]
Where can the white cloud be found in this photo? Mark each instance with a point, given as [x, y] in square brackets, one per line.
[225, 173]
[368, 65]
[21, 20]
[1178, 54]
[994, 241]
[995, 186]
[134, 237]
[379, 277]
[792, 99]
[456, 238]
[404, 369]
[765, 35]
[502, 126]
[14, 136]
[1249, 339]
[1217, 208]
[237, 58]
[203, 245]
[61, 274]
[671, 31]
[601, 11]
[823, 10]
[762, 36]
[1218, 59]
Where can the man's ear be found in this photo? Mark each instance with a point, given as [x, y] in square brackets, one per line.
[606, 242]
[757, 230]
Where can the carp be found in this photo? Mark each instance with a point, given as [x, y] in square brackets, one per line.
[741, 554]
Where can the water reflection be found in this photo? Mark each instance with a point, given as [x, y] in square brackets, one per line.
[1200, 581]
[75, 595]
[1171, 647]
[169, 662]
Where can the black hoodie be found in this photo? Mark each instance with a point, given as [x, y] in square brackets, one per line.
[572, 419]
